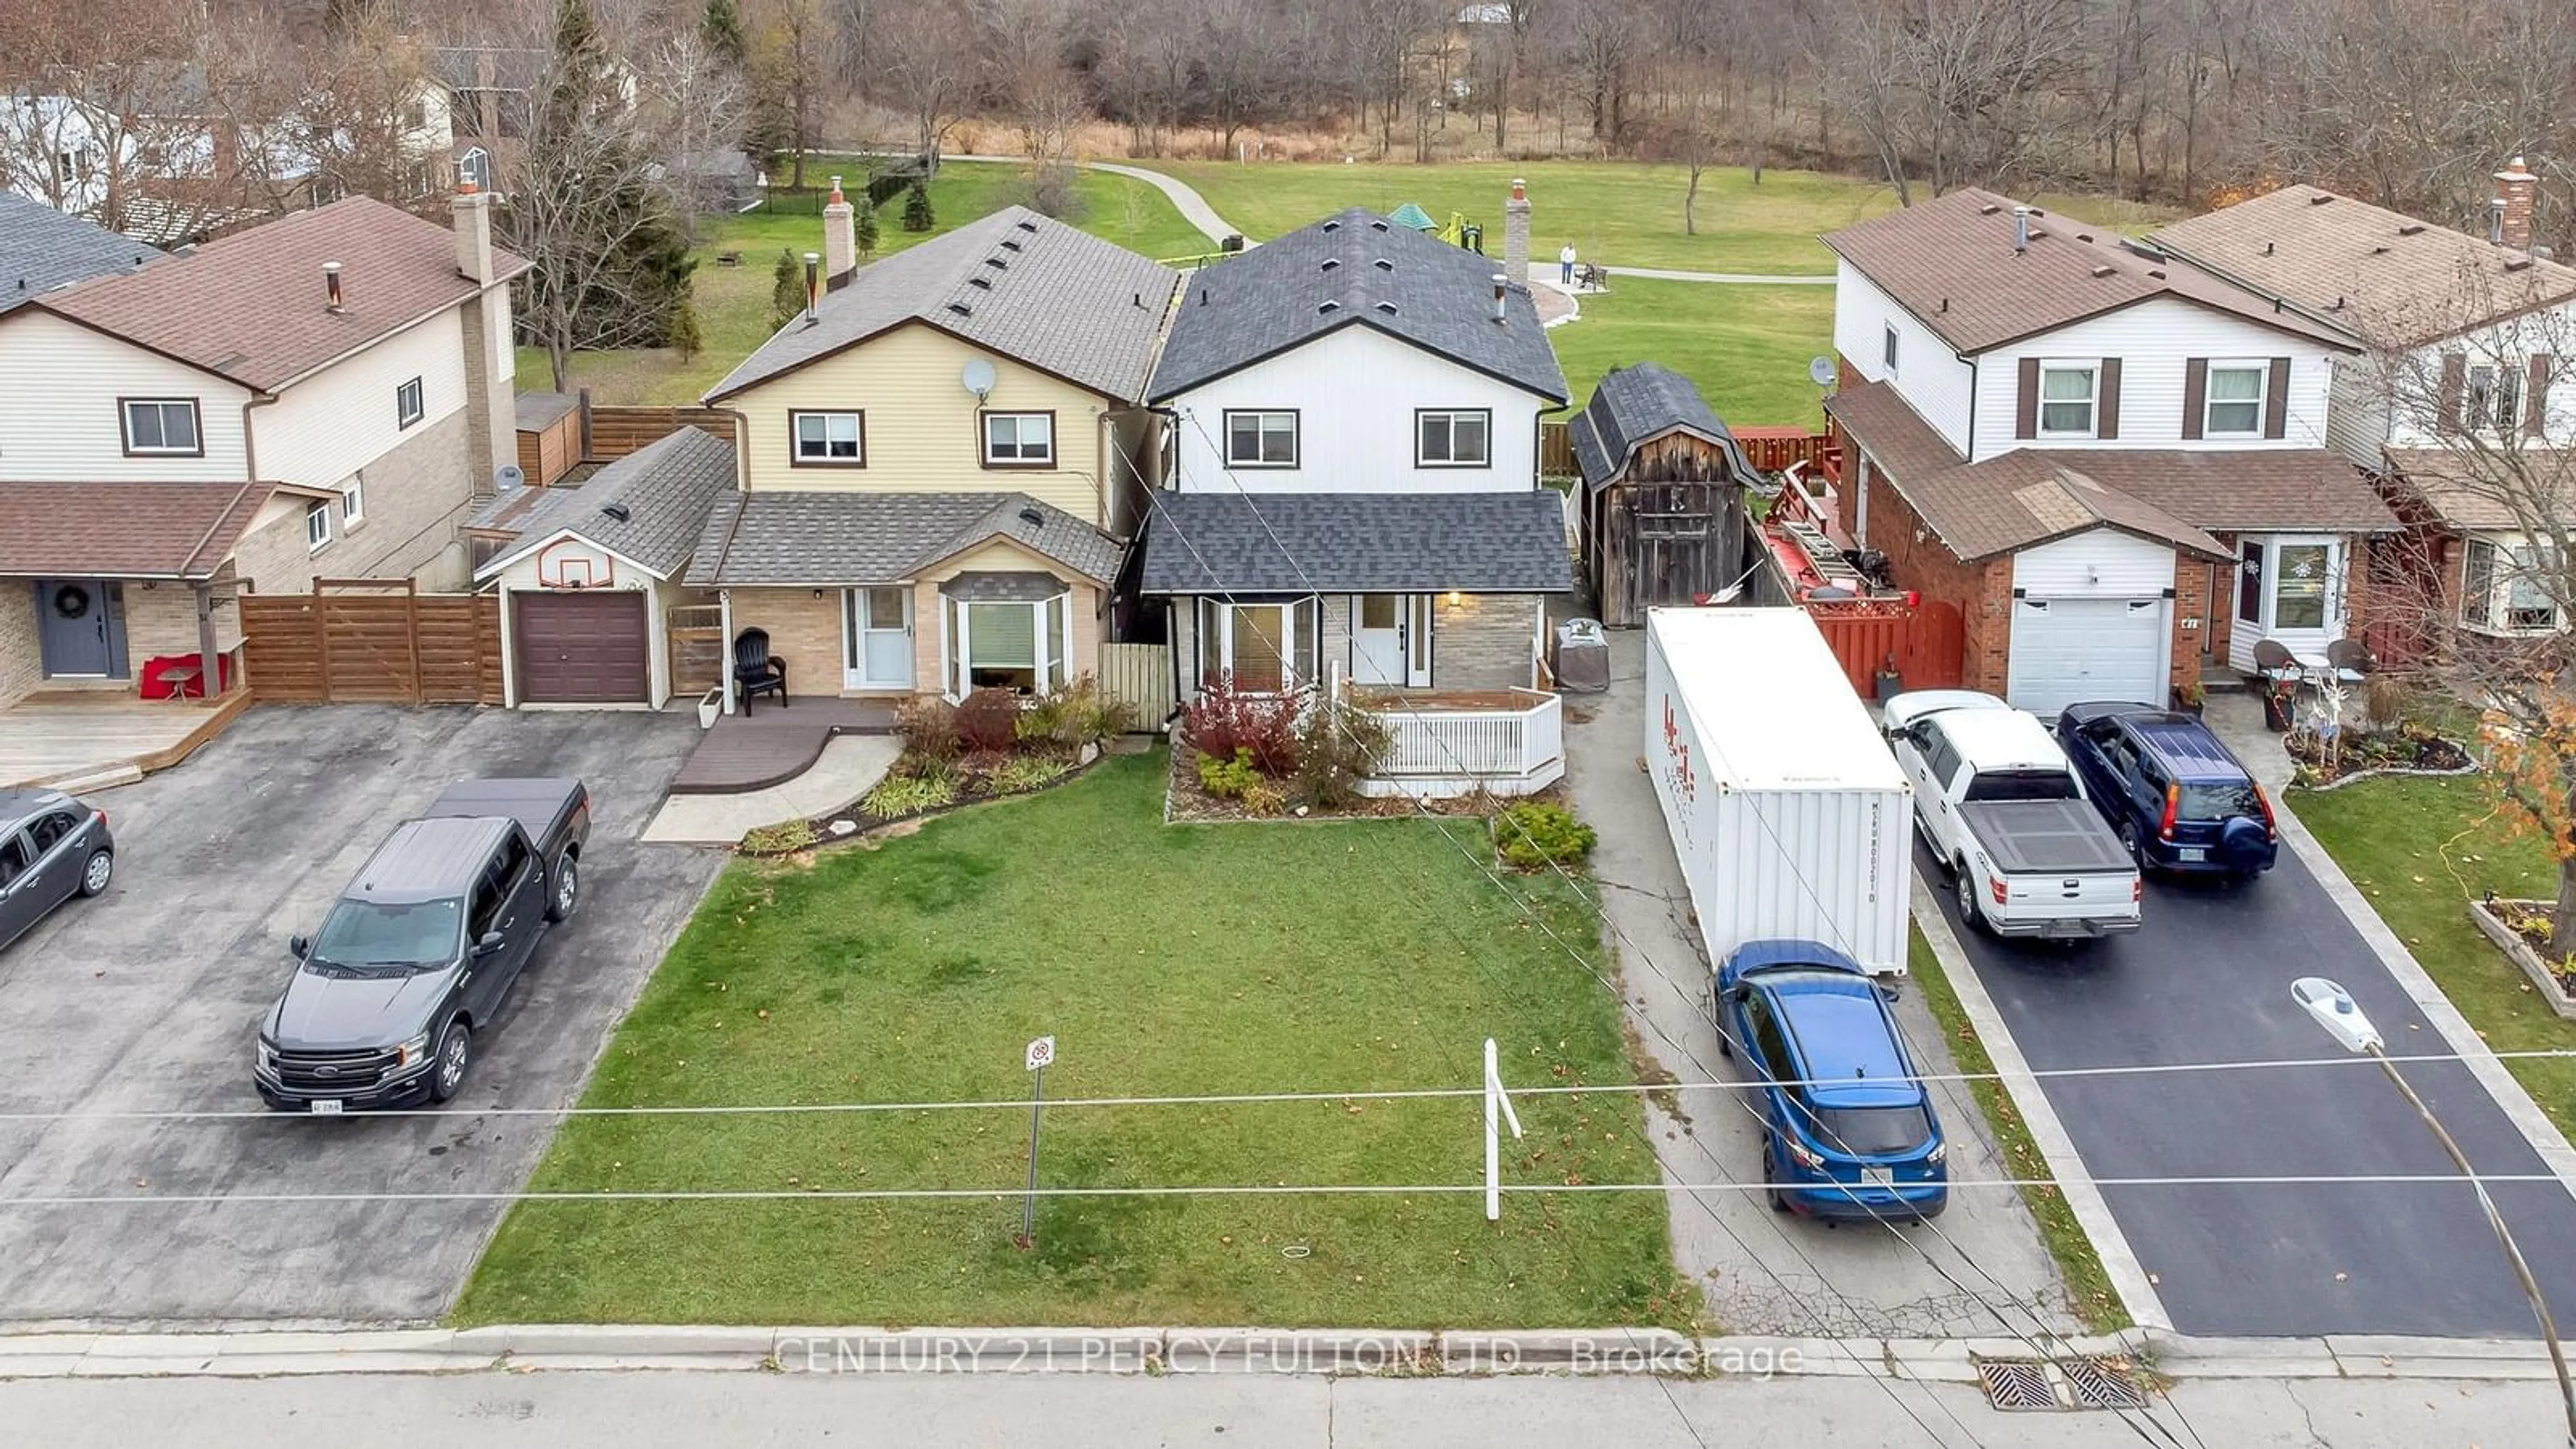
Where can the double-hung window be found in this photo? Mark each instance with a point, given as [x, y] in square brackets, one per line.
[2234, 405]
[1261, 439]
[829, 440]
[353, 499]
[2067, 394]
[1453, 438]
[2494, 398]
[163, 427]
[407, 404]
[1260, 647]
[317, 525]
[1019, 440]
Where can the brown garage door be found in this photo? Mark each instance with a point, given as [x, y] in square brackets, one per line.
[582, 648]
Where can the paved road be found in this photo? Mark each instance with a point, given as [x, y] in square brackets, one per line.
[1763, 1273]
[147, 998]
[2208, 979]
[1193, 207]
[686, 1410]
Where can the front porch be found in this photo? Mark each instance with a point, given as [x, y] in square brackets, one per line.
[773, 744]
[93, 739]
[1448, 743]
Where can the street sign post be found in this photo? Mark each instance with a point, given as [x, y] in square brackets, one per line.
[1041, 1055]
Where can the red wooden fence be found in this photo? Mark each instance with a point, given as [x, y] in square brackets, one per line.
[1926, 645]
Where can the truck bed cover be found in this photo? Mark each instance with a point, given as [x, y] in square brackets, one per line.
[2045, 837]
[539, 805]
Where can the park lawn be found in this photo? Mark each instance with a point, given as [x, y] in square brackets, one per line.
[1166, 960]
[733, 302]
[2421, 850]
[1747, 347]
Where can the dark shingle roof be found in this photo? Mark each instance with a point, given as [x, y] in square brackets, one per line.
[2031, 495]
[1019, 283]
[1950, 261]
[1631, 405]
[124, 530]
[1267, 543]
[664, 489]
[41, 249]
[534, 410]
[843, 539]
[1329, 275]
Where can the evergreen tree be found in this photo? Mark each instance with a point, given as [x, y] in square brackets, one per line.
[917, 215]
[721, 28]
[786, 290]
[683, 333]
[866, 225]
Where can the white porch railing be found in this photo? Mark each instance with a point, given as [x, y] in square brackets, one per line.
[1507, 742]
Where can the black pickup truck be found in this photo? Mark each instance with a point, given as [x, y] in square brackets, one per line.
[420, 950]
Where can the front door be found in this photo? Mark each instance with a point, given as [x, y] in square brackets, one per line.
[878, 625]
[1391, 639]
[81, 629]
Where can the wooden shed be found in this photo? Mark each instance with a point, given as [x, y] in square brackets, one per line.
[549, 436]
[1663, 494]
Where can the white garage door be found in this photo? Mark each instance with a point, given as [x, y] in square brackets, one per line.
[2066, 650]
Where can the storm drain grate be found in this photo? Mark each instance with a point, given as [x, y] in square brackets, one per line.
[2017, 1384]
[2102, 1383]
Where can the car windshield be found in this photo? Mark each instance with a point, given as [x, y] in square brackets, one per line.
[1873, 1131]
[2022, 785]
[375, 933]
[2220, 802]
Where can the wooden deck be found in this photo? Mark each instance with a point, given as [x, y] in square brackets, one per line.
[95, 739]
[755, 751]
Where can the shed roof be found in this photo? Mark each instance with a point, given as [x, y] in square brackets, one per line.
[1631, 406]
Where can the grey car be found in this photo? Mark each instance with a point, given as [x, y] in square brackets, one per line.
[52, 848]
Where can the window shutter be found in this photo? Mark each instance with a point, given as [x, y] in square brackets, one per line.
[2107, 424]
[2026, 411]
[2455, 385]
[2276, 400]
[2535, 398]
[2195, 396]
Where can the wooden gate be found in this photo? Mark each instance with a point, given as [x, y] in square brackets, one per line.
[1140, 674]
[696, 636]
[372, 641]
[1926, 645]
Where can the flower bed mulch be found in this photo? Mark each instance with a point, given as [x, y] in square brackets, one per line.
[852, 822]
[2403, 751]
[2521, 929]
[1188, 802]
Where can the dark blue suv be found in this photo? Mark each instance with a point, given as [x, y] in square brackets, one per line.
[2177, 798]
[1849, 1132]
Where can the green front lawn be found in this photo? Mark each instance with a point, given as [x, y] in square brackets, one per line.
[1747, 347]
[2421, 850]
[1166, 960]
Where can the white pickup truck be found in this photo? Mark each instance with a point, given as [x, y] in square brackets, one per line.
[2004, 811]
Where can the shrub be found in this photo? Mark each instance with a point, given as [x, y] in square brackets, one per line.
[1224, 721]
[1227, 778]
[793, 835]
[683, 336]
[1263, 798]
[786, 290]
[907, 796]
[989, 720]
[1079, 714]
[865, 226]
[1028, 772]
[1338, 745]
[917, 215]
[1536, 833]
[927, 725]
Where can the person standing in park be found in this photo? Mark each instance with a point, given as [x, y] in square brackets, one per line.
[1565, 265]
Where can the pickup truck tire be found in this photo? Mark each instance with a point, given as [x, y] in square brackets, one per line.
[97, 871]
[455, 1058]
[563, 893]
[1970, 915]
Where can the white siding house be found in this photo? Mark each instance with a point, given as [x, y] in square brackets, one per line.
[1869, 325]
[63, 387]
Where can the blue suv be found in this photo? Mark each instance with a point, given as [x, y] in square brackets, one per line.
[1849, 1132]
[2178, 799]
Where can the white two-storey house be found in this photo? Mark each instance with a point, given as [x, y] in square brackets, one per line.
[1353, 486]
[2454, 403]
[323, 395]
[2111, 463]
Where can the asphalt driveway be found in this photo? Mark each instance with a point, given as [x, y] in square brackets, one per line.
[147, 999]
[2208, 980]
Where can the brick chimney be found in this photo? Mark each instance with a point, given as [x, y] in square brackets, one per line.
[1516, 232]
[2516, 189]
[470, 211]
[840, 238]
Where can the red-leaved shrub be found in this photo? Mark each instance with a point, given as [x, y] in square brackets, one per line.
[989, 720]
[1224, 720]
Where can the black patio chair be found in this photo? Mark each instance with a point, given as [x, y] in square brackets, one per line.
[2282, 676]
[756, 671]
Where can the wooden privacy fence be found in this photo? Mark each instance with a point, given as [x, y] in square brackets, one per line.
[1772, 449]
[697, 642]
[1140, 674]
[1926, 644]
[1555, 450]
[610, 433]
[383, 642]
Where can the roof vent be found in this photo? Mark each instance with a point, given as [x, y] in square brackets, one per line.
[2104, 271]
[1010, 243]
[2156, 272]
[1030, 515]
[961, 309]
[1328, 307]
[1030, 227]
[617, 511]
[1989, 209]
[997, 263]
[331, 293]
[2516, 264]
[2267, 249]
[2084, 236]
[986, 283]
[2321, 198]
[2380, 250]
[1332, 226]
[2410, 228]
[1383, 265]
[1389, 307]
[1377, 225]
[1330, 263]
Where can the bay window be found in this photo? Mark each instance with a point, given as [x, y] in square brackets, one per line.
[2511, 586]
[1259, 646]
[1020, 644]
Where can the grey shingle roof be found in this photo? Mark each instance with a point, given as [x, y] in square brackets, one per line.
[1631, 405]
[665, 490]
[41, 249]
[1016, 282]
[1233, 543]
[845, 539]
[1329, 275]
[535, 410]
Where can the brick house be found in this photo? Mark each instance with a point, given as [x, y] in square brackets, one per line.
[2113, 463]
[325, 394]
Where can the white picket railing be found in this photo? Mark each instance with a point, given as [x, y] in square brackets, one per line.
[1441, 748]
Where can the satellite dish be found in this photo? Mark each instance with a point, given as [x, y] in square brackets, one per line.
[980, 377]
[508, 477]
[1821, 372]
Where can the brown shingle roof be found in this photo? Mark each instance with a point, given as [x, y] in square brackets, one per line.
[1950, 261]
[2374, 273]
[2542, 482]
[251, 305]
[2173, 495]
[124, 530]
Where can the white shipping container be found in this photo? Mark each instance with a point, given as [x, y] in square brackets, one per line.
[1789, 814]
